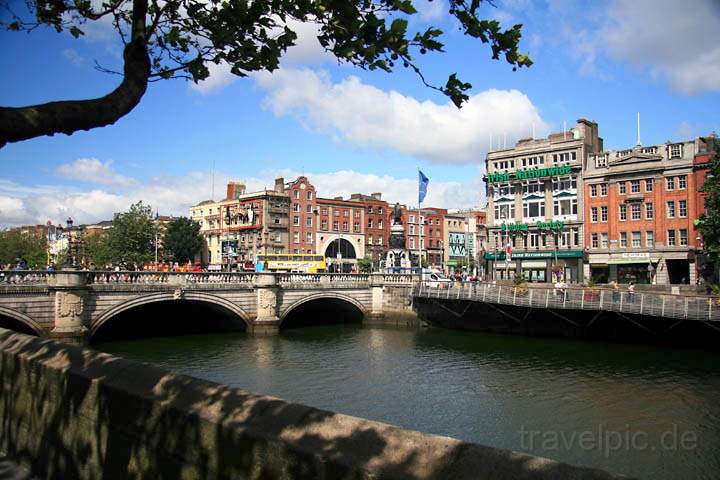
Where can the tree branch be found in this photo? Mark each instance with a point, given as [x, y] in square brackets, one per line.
[22, 123]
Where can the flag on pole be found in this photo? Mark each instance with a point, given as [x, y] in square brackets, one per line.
[422, 186]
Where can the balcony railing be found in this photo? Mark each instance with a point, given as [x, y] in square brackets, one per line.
[650, 304]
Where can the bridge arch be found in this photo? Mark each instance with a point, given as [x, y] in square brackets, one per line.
[197, 297]
[21, 319]
[337, 298]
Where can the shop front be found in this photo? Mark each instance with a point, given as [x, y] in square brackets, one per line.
[635, 267]
[539, 266]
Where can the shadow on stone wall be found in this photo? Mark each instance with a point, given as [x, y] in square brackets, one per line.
[74, 413]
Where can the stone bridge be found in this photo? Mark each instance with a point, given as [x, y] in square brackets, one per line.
[74, 305]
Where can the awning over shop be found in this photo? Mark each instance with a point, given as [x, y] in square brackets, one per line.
[536, 254]
[625, 261]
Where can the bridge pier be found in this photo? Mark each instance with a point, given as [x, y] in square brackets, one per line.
[377, 286]
[71, 318]
[267, 321]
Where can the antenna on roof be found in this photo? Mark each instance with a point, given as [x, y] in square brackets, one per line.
[638, 129]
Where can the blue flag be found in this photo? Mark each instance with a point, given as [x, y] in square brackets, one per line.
[422, 186]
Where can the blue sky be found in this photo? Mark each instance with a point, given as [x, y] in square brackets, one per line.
[352, 130]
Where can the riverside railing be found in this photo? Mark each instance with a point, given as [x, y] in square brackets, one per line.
[175, 278]
[652, 304]
[24, 277]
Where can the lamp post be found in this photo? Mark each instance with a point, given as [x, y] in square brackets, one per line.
[70, 258]
[157, 230]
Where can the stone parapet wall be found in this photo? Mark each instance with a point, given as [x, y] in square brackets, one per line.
[69, 412]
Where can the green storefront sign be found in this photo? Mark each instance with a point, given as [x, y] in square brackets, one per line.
[507, 176]
[524, 227]
[536, 254]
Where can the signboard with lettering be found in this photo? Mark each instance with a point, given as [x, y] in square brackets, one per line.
[507, 176]
[536, 254]
[460, 245]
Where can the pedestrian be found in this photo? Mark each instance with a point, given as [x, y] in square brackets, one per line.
[615, 290]
[631, 292]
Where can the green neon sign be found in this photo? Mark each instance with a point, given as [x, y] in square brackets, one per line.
[507, 176]
[556, 225]
[514, 227]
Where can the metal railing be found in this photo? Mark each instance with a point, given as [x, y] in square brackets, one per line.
[287, 279]
[176, 278]
[651, 304]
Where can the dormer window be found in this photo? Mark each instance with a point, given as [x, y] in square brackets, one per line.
[601, 160]
[676, 150]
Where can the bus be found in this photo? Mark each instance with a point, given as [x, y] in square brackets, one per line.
[288, 262]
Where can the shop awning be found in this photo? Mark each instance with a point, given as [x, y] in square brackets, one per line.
[625, 261]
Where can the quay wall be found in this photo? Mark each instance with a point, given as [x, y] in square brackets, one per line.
[69, 412]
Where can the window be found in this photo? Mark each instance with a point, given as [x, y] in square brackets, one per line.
[636, 240]
[309, 208]
[601, 160]
[336, 225]
[533, 161]
[296, 220]
[649, 213]
[682, 182]
[636, 211]
[370, 223]
[356, 213]
[297, 194]
[502, 190]
[356, 227]
[649, 185]
[565, 183]
[623, 239]
[671, 209]
[649, 239]
[412, 218]
[412, 243]
[576, 235]
[676, 150]
[622, 210]
[604, 213]
[379, 240]
[564, 157]
[324, 225]
[308, 221]
[379, 209]
[296, 237]
[412, 229]
[505, 211]
[683, 237]
[565, 206]
[380, 223]
[533, 187]
[682, 208]
[336, 213]
[296, 207]
[309, 195]
[670, 183]
[634, 186]
[534, 209]
[370, 209]
[534, 239]
[594, 240]
[604, 240]
[370, 239]
[346, 213]
[622, 186]
[324, 211]
[593, 190]
[308, 237]
[671, 238]
[593, 214]
[603, 189]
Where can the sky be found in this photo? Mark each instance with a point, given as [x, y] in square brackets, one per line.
[351, 130]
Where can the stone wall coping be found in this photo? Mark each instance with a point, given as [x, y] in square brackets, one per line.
[176, 426]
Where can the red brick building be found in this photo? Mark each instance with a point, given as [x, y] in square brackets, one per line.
[425, 232]
[303, 215]
[378, 218]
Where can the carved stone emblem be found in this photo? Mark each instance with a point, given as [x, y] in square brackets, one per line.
[266, 300]
[70, 305]
[178, 294]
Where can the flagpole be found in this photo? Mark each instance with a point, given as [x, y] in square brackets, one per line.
[419, 228]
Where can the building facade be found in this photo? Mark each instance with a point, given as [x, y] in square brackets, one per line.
[242, 225]
[377, 225]
[535, 206]
[341, 233]
[641, 206]
[424, 234]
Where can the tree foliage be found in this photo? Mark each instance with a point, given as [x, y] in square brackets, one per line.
[182, 239]
[365, 264]
[132, 236]
[179, 38]
[97, 251]
[30, 247]
[709, 223]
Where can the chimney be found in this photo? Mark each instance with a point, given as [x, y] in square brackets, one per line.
[280, 185]
[338, 198]
[376, 195]
[235, 190]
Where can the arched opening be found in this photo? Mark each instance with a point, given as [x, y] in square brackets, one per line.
[340, 255]
[168, 318]
[322, 311]
[16, 325]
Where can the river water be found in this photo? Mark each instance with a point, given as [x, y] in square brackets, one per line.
[642, 411]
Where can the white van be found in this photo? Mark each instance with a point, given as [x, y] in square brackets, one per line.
[435, 279]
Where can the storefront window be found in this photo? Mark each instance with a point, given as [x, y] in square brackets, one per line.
[633, 272]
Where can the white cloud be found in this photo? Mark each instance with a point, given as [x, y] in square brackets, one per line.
[73, 56]
[220, 77]
[170, 195]
[366, 116]
[94, 171]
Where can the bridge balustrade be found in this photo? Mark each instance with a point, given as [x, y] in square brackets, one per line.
[658, 305]
[24, 277]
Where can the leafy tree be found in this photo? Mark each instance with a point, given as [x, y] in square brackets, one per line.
[132, 236]
[97, 250]
[178, 39]
[16, 245]
[709, 223]
[365, 264]
[182, 240]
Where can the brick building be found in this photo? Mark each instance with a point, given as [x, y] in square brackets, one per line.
[341, 232]
[303, 215]
[424, 232]
[640, 207]
[378, 218]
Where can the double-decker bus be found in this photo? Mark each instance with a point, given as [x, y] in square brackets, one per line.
[289, 262]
